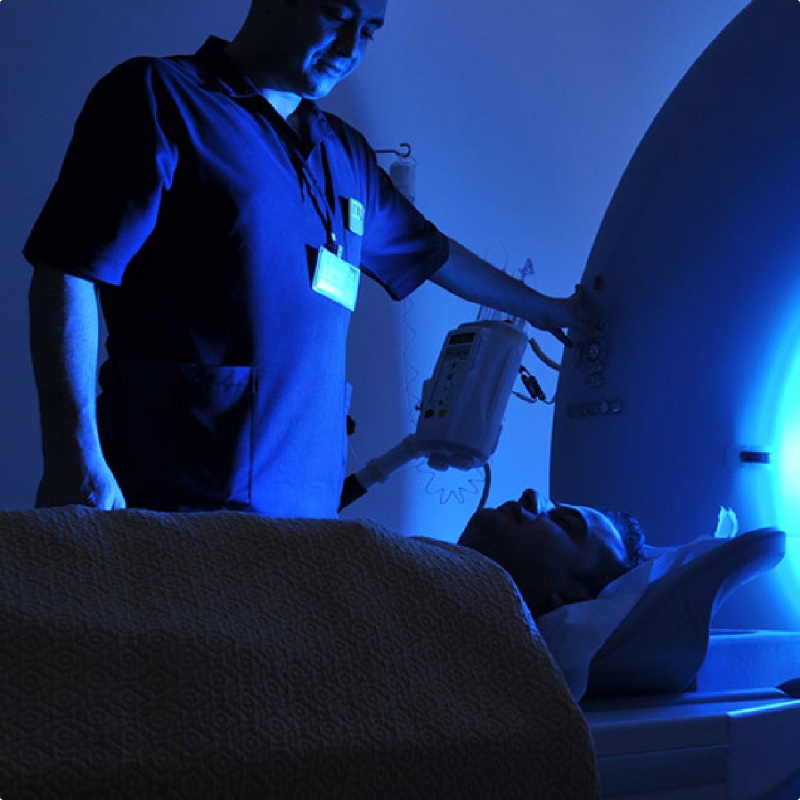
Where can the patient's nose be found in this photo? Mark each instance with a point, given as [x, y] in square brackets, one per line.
[535, 503]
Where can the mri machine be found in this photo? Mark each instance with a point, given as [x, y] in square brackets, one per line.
[689, 400]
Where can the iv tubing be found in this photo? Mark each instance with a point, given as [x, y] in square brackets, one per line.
[379, 469]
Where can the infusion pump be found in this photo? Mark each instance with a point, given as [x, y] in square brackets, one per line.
[464, 401]
[462, 406]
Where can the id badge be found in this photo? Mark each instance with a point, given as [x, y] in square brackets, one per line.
[336, 279]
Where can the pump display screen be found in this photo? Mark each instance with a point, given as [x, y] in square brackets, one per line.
[461, 338]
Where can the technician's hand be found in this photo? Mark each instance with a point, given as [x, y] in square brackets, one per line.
[92, 485]
[558, 314]
[470, 277]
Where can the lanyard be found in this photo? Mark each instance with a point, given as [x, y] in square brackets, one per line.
[317, 193]
[327, 213]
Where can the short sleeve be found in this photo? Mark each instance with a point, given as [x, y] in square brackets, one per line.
[401, 249]
[120, 160]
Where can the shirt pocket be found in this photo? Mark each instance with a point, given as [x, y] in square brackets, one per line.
[352, 249]
[352, 240]
[186, 434]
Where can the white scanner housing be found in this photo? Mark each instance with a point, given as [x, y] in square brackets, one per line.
[691, 398]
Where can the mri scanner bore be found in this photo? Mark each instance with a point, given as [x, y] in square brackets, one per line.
[689, 400]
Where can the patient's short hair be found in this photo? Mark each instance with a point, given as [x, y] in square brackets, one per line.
[632, 535]
[633, 539]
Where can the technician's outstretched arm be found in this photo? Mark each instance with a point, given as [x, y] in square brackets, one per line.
[64, 335]
[474, 279]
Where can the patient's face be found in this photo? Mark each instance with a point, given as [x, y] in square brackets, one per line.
[557, 554]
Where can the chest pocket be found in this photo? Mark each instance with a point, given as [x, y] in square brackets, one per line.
[353, 214]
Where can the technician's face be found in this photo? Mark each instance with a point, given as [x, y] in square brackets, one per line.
[312, 45]
[552, 551]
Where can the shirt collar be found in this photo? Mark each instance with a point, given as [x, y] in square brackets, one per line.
[221, 73]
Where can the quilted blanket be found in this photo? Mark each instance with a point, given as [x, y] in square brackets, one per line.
[226, 655]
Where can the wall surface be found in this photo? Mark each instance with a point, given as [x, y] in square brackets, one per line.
[521, 123]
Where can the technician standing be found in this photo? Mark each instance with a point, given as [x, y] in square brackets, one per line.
[224, 220]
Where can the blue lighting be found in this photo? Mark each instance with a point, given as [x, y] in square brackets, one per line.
[696, 267]
[787, 481]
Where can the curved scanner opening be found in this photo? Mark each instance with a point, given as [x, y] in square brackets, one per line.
[696, 273]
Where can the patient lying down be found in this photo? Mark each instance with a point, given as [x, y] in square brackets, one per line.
[557, 554]
[647, 627]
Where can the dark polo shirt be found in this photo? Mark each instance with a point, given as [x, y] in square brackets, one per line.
[200, 214]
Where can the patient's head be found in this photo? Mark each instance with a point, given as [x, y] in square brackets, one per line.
[557, 554]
